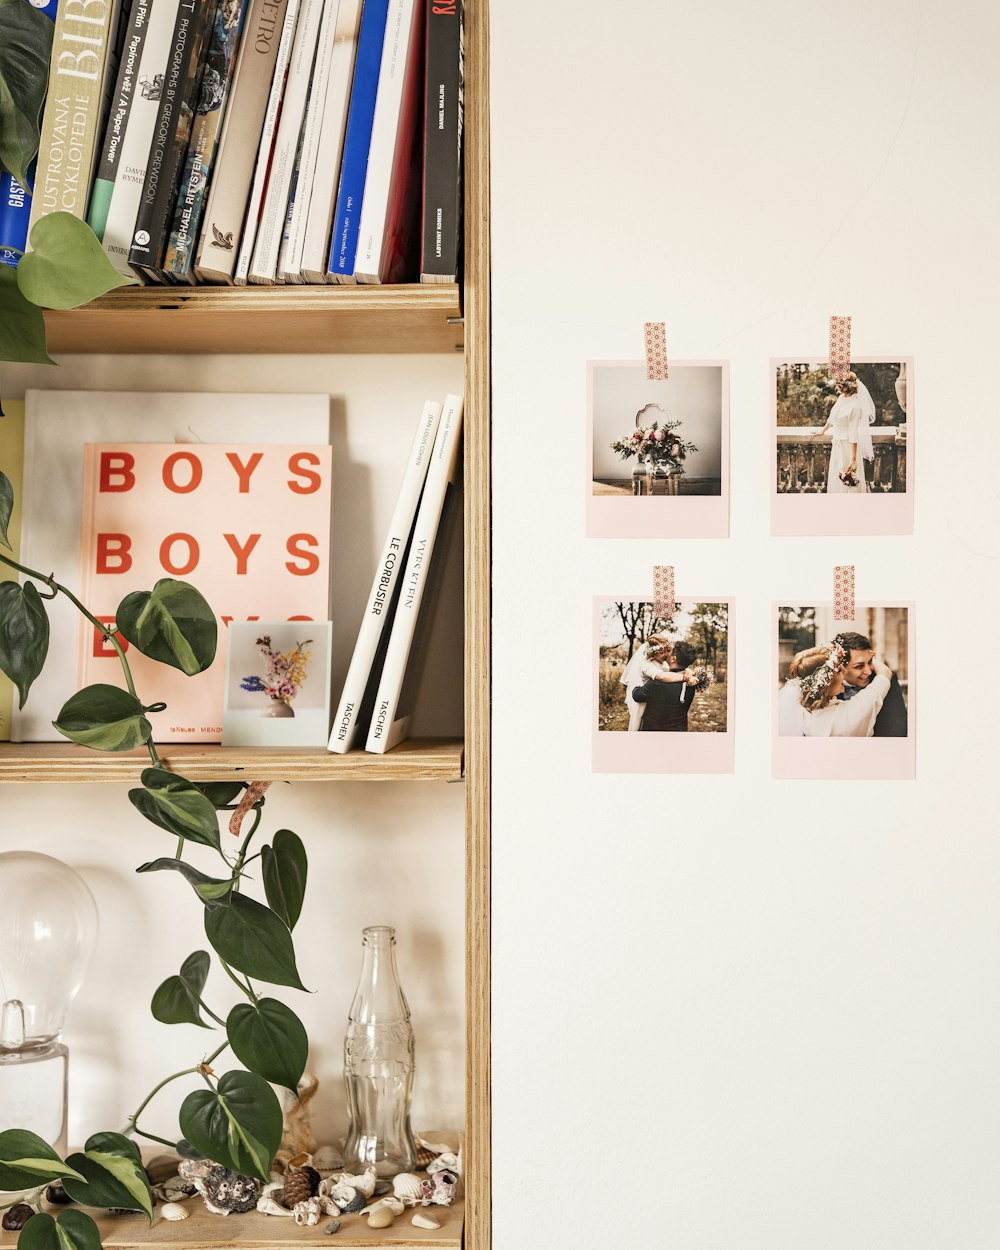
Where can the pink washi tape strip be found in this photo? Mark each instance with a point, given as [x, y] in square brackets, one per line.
[664, 603]
[254, 792]
[656, 351]
[843, 592]
[840, 346]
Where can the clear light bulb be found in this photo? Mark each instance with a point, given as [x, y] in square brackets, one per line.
[48, 931]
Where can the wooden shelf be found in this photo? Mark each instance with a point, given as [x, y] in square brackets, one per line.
[421, 759]
[213, 319]
[253, 1231]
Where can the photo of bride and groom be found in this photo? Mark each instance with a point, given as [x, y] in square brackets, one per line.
[843, 679]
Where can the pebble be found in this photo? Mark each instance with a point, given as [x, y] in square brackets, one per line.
[332, 1227]
[57, 1195]
[382, 1187]
[17, 1216]
[381, 1217]
[423, 1220]
[357, 1203]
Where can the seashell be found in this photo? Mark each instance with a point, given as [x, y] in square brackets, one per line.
[174, 1211]
[424, 1219]
[408, 1187]
[422, 1158]
[448, 1161]
[270, 1200]
[338, 1192]
[173, 1189]
[365, 1183]
[437, 1141]
[301, 1160]
[444, 1183]
[396, 1205]
[307, 1212]
[162, 1167]
[223, 1190]
[327, 1159]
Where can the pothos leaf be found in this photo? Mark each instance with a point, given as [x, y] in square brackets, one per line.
[238, 1123]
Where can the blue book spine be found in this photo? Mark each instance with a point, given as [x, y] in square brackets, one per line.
[15, 202]
[357, 141]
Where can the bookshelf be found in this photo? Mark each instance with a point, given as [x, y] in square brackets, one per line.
[404, 319]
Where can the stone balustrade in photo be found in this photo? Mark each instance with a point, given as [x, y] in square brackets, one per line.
[803, 461]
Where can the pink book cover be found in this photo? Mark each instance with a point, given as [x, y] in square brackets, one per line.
[248, 526]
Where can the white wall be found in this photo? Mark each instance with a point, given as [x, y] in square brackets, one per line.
[380, 853]
[769, 1006]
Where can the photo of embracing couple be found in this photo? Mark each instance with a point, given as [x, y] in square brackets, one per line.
[852, 686]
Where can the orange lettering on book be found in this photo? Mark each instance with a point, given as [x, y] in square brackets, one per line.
[104, 647]
[194, 553]
[169, 480]
[113, 548]
[294, 548]
[116, 471]
[242, 554]
[244, 471]
[313, 480]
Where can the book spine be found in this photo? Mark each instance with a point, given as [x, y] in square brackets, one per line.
[121, 107]
[12, 464]
[229, 188]
[387, 242]
[354, 168]
[290, 253]
[384, 732]
[266, 147]
[215, 87]
[71, 118]
[264, 262]
[316, 243]
[349, 723]
[443, 117]
[181, 83]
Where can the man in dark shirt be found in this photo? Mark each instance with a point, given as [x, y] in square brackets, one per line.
[668, 703]
[891, 721]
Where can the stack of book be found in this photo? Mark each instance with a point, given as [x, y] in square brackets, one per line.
[254, 141]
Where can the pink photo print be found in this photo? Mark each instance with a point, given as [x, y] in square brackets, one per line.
[659, 450]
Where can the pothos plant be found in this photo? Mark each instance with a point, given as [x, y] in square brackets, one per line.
[65, 265]
[233, 1118]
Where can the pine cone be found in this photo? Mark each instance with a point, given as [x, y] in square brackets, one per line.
[299, 1185]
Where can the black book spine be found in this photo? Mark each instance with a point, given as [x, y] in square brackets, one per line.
[181, 85]
[442, 182]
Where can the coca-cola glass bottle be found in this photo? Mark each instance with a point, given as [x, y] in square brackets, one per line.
[378, 1063]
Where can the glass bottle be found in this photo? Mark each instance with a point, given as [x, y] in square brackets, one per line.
[378, 1063]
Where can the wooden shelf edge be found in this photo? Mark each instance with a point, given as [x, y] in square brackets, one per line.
[417, 318]
[420, 759]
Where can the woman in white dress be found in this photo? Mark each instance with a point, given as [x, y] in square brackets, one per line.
[652, 660]
[849, 428]
[808, 705]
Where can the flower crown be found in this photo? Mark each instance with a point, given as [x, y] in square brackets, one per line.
[818, 680]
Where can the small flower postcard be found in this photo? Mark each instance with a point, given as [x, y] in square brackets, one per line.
[278, 684]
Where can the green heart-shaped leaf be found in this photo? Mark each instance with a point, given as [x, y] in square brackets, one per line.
[177, 805]
[284, 868]
[73, 1230]
[24, 635]
[66, 265]
[237, 1124]
[105, 718]
[250, 937]
[221, 793]
[22, 326]
[27, 1161]
[208, 889]
[178, 999]
[270, 1039]
[114, 1175]
[25, 52]
[171, 623]
[6, 508]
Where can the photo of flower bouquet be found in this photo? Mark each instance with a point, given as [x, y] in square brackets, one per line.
[270, 667]
[658, 443]
[284, 676]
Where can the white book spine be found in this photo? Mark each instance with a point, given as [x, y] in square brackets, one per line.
[316, 243]
[388, 102]
[279, 183]
[388, 571]
[266, 141]
[134, 153]
[385, 729]
[290, 255]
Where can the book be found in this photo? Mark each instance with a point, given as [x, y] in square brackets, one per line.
[12, 464]
[178, 260]
[265, 148]
[57, 426]
[15, 200]
[229, 188]
[171, 132]
[390, 722]
[354, 165]
[264, 261]
[246, 524]
[332, 125]
[81, 62]
[363, 674]
[443, 119]
[389, 230]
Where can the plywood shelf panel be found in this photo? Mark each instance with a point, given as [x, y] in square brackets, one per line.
[420, 759]
[416, 318]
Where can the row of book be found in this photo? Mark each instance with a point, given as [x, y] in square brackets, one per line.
[254, 141]
[243, 517]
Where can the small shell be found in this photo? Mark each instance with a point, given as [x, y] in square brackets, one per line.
[338, 1192]
[391, 1203]
[327, 1159]
[270, 1200]
[448, 1161]
[307, 1213]
[408, 1187]
[444, 1183]
[438, 1142]
[174, 1211]
[173, 1189]
[423, 1219]
[365, 1183]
